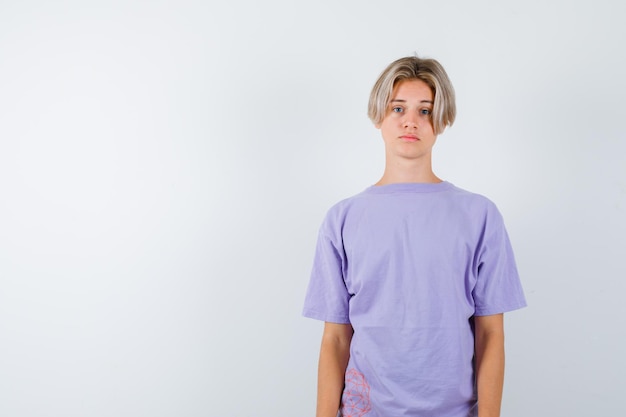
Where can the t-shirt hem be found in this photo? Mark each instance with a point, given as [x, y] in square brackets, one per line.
[488, 311]
[316, 315]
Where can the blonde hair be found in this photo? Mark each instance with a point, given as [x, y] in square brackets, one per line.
[413, 68]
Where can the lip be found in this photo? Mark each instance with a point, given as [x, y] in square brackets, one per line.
[409, 138]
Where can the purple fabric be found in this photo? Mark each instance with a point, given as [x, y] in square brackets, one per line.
[409, 265]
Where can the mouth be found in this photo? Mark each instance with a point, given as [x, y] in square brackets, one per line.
[409, 138]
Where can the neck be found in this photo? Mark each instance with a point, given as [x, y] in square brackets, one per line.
[407, 171]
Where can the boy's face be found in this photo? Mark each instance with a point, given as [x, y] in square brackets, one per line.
[407, 128]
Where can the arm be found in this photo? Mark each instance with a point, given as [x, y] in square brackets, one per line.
[334, 355]
[489, 350]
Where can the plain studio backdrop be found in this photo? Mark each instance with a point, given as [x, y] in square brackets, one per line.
[165, 166]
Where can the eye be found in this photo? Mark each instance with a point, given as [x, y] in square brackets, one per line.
[397, 109]
[426, 112]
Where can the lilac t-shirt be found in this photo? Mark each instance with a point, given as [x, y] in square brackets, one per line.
[409, 265]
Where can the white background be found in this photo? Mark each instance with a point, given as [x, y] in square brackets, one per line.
[165, 166]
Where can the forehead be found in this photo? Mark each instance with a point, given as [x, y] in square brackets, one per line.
[413, 89]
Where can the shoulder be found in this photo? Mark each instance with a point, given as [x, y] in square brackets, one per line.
[342, 207]
[472, 200]
[479, 210]
[337, 214]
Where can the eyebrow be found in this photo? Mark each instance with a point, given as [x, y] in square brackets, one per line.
[404, 101]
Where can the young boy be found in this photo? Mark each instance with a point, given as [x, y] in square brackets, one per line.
[412, 275]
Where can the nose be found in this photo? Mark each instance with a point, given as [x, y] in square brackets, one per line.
[410, 120]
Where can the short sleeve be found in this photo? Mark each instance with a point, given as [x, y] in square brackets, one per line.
[498, 288]
[327, 297]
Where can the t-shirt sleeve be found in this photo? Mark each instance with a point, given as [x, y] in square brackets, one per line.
[327, 297]
[498, 288]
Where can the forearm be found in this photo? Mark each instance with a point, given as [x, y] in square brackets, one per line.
[334, 355]
[489, 370]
